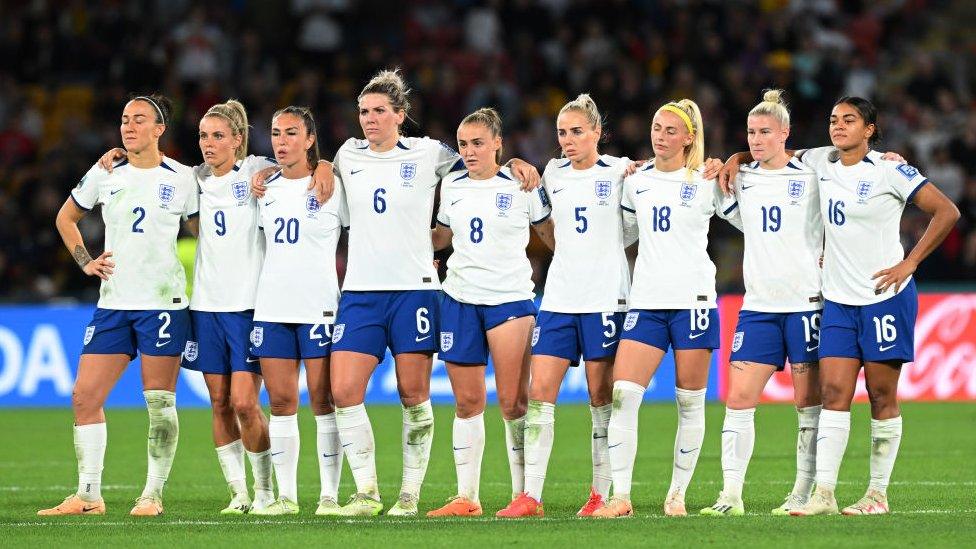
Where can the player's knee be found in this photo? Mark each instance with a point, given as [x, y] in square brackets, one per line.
[245, 405]
[321, 404]
[285, 406]
[833, 393]
[221, 405]
[884, 401]
[600, 395]
[84, 404]
[347, 393]
[469, 404]
[512, 408]
[739, 399]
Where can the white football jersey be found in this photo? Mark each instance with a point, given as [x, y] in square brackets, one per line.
[589, 272]
[230, 248]
[299, 283]
[784, 236]
[861, 207]
[142, 210]
[672, 212]
[490, 220]
[390, 198]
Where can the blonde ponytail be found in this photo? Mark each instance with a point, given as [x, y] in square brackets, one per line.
[695, 152]
[236, 116]
[585, 105]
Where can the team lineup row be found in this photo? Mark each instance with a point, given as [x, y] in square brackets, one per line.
[266, 296]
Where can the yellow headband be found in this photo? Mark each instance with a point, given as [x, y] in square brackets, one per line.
[681, 114]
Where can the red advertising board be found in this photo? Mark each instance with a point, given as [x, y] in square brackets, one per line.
[945, 352]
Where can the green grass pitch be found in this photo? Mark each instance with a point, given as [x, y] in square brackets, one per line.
[933, 492]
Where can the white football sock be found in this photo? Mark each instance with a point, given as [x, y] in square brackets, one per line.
[469, 446]
[833, 430]
[285, 447]
[602, 476]
[418, 435]
[885, 439]
[90, 443]
[622, 434]
[164, 434]
[540, 426]
[330, 455]
[688, 440]
[806, 449]
[356, 435]
[515, 446]
[263, 470]
[231, 459]
[738, 439]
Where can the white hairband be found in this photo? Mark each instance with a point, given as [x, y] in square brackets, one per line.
[155, 106]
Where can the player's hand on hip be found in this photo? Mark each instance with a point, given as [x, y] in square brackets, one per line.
[109, 158]
[896, 276]
[257, 181]
[101, 266]
[323, 181]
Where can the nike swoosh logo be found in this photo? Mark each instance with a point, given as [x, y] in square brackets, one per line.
[86, 509]
[456, 201]
[514, 449]
[728, 431]
[160, 344]
[614, 445]
[270, 203]
[749, 187]
[814, 348]
[883, 349]
[323, 343]
[821, 438]
[251, 360]
[276, 453]
[683, 451]
[605, 345]
[113, 193]
[348, 444]
[642, 191]
[414, 443]
[419, 339]
[461, 448]
[693, 336]
[354, 172]
[825, 179]
[330, 455]
[558, 190]
[596, 437]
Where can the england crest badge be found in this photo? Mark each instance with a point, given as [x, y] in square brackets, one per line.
[257, 336]
[240, 190]
[864, 190]
[602, 190]
[737, 341]
[630, 321]
[191, 351]
[312, 204]
[408, 171]
[89, 333]
[687, 193]
[166, 193]
[795, 188]
[503, 201]
[337, 332]
[447, 341]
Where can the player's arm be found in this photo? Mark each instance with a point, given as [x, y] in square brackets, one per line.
[323, 181]
[525, 173]
[193, 225]
[67, 224]
[545, 230]
[441, 236]
[111, 157]
[944, 214]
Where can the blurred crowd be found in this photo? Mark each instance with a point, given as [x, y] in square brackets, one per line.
[69, 65]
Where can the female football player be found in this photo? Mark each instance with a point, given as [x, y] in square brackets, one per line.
[779, 207]
[143, 304]
[673, 306]
[488, 307]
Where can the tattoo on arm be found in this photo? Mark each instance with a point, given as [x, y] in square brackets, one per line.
[801, 368]
[81, 256]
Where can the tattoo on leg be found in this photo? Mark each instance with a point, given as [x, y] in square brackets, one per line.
[81, 256]
[737, 365]
[800, 368]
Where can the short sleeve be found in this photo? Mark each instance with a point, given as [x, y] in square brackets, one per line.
[192, 206]
[539, 207]
[342, 207]
[903, 180]
[446, 159]
[85, 194]
[626, 200]
[726, 207]
[257, 163]
[444, 210]
[814, 158]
